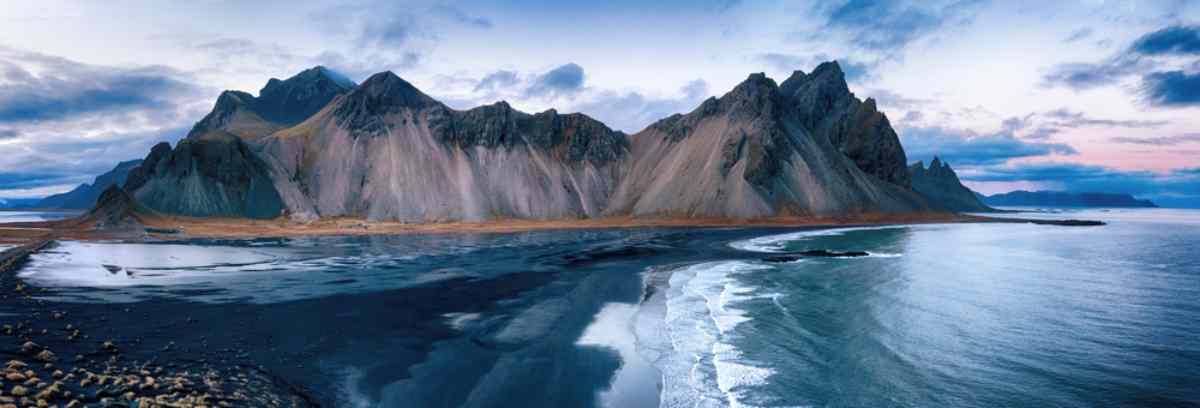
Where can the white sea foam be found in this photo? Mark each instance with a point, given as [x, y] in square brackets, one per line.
[776, 243]
[459, 321]
[704, 367]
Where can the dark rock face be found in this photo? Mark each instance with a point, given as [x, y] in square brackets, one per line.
[364, 109]
[280, 104]
[751, 153]
[828, 109]
[1022, 198]
[214, 176]
[84, 196]
[293, 100]
[816, 253]
[940, 184]
[573, 137]
[114, 209]
[384, 150]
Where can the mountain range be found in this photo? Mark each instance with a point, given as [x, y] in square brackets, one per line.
[318, 145]
[85, 195]
[940, 184]
[1022, 198]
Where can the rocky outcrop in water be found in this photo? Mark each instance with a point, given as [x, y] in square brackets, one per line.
[84, 196]
[940, 184]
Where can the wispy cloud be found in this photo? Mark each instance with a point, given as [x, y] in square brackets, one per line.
[1159, 140]
[62, 89]
[969, 148]
[457, 15]
[889, 25]
[565, 79]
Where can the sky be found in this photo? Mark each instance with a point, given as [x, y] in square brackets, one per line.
[1085, 95]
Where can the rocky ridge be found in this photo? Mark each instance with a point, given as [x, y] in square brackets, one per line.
[384, 150]
[940, 184]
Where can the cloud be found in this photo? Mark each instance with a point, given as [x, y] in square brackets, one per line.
[1179, 188]
[1159, 140]
[1065, 118]
[497, 80]
[1172, 89]
[968, 148]
[1173, 40]
[565, 79]
[892, 24]
[787, 63]
[1084, 76]
[62, 89]
[9, 134]
[1167, 88]
[1079, 34]
[633, 111]
[459, 16]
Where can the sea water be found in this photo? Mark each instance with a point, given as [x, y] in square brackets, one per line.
[937, 315]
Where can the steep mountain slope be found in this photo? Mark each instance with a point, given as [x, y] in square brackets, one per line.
[751, 153]
[940, 184]
[214, 171]
[218, 176]
[280, 104]
[827, 109]
[387, 151]
[84, 196]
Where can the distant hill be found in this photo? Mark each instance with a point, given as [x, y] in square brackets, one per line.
[84, 196]
[1022, 198]
[8, 203]
[942, 187]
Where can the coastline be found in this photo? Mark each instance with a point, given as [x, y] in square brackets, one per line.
[159, 227]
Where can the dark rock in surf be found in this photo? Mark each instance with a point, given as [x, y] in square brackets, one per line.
[817, 253]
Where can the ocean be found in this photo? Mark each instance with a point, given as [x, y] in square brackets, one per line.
[967, 315]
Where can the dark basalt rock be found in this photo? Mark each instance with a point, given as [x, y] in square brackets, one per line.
[280, 103]
[1069, 223]
[940, 184]
[115, 210]
[817, 253]
[575, 137]
[363, 109]
[827, 108]
[214, 176]
[291, 101]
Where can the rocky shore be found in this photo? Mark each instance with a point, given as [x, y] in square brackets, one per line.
[53, 358]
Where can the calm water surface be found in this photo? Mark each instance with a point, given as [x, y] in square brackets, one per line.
[938, 315]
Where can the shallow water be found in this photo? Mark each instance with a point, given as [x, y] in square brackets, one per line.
[961, 315]
[35, 216]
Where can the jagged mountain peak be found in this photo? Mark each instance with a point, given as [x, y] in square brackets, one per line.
[279, 104]
[943, 188]
[363, 108]
[318, 76]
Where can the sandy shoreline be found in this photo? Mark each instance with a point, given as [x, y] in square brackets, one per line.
[162, 227]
